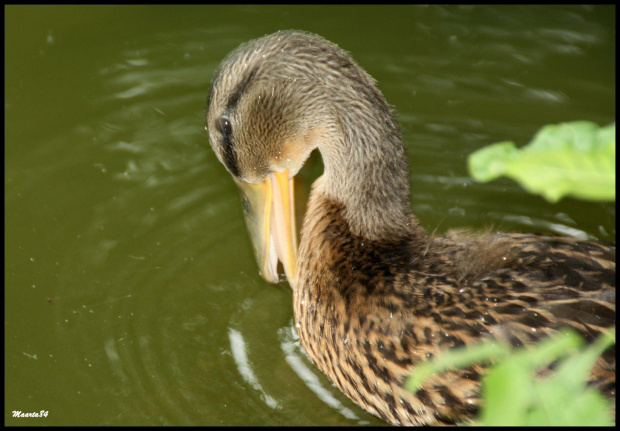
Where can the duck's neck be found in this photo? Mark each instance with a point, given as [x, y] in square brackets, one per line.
[366, 171]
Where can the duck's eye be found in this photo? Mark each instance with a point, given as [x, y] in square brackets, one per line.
[225, 125]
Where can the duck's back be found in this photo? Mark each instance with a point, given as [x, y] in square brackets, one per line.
[532, 282]
[548, 283]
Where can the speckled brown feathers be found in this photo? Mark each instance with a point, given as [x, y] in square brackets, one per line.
[371, 310]
[375, 293]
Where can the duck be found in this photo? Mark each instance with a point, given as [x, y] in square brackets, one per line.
[374, 293]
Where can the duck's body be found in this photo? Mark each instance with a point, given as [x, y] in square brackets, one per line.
[367, 311]
[374, 293]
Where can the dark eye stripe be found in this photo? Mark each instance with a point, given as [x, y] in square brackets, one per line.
[230, 160]
[230, 156]
[225, 125]
[241, 88]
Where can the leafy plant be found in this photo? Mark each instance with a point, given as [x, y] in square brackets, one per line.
[514, 395]
[577, 159]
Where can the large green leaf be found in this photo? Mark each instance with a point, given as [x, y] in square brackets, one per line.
[577, 159]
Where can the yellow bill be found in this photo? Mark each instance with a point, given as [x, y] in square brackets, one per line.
[269, 211]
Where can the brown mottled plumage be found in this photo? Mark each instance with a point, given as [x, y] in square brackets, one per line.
[374, 293]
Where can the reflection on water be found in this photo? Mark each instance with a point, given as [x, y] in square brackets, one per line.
[132, 294]
[238, 347]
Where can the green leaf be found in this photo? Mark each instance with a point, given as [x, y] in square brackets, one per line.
[514, 391]
[507, 392]
[576, 159]
[510, 390]
[556, 405]
[456, 358]
[576, 368]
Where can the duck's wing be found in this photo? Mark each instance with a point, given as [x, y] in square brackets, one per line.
[546, 284]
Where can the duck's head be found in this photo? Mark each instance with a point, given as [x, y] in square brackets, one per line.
[264, 117]
[272, 101]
